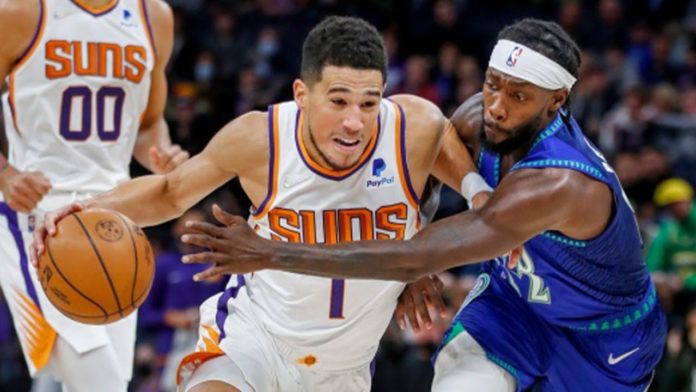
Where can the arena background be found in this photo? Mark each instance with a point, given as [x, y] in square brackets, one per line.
[636, 98]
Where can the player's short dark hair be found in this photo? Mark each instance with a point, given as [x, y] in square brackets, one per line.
[343, 42]
[547, 38]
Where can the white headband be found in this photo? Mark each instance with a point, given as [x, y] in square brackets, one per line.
[522, 62]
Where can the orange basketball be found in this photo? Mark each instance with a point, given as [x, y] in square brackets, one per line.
[98, 268]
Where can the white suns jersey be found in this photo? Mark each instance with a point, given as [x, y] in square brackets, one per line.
[333, 321]
[75, 98]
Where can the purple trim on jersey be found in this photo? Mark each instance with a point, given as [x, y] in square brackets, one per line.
[335, 178]
[151, 37]
[404, 161]
[271, 161]
[100, 13]
[221, 315]
[36, 33]
[338, 289]
[23, 261]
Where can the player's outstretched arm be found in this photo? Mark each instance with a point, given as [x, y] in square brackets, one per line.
[239, 148]
[153, 148]
[526, 203]
[22, 191]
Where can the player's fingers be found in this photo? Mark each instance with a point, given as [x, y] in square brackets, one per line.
[39, 182]
[178, 159]
[154, 154]
[411, 312]
[21, 203]
[167, 156]
[28, 191]
[50, 220]
[400, 315]
[200, 257]
[422, 310]
[439, 285]
[435, 298]
[38, 245]
[33, 255]
[225, 217]
[202, 240]
[209, 273]
[43, 181]
[205, 228]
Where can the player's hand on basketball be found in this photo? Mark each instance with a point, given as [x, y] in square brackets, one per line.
[48, 227]
[232, 249]
[415, 300]
[165, 160]
[23, 190]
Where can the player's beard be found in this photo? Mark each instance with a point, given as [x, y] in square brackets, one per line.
[516, 138]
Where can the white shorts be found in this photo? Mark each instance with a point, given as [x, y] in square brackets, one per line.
[36, 320]
[250, 359]
[462, 365]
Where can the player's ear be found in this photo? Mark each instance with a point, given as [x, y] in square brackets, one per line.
[300, 89]
[558, 98]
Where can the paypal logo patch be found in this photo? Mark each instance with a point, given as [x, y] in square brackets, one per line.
[378, 168]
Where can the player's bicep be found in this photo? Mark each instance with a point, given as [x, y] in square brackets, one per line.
[527, 203]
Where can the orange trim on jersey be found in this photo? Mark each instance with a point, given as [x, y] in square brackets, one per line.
[145, 21]
[403, 176]
[334, 174]
[96, 10]
[191, 361]
[209, 349]
[274, 158]
[38, 336]
[25, 57]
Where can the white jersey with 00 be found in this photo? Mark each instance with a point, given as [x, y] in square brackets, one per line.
[72, 112]
[75, 99]
[327, 325]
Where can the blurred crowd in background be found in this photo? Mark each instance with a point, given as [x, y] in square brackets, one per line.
[635, 98]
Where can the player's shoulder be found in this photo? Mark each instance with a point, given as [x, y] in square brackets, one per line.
[422, 116]
[468, 117]
[418, 108]
[158, 8]
[160, 14]
[250, 127]
[22, 18]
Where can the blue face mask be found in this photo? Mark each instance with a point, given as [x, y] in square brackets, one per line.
[204, 71]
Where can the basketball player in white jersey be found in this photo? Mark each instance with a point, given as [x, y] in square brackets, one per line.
[339, 163]
[85, 91]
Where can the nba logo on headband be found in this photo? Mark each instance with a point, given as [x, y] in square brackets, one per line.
[514, 55]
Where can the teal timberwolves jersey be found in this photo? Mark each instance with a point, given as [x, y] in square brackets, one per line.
[595, 284]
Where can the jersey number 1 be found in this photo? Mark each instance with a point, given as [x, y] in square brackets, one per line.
[82, 95]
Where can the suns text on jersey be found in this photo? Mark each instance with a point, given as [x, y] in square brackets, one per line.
[341, 225]
[104, 59]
